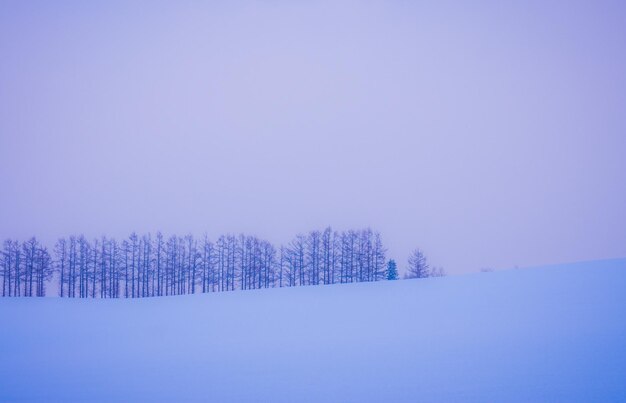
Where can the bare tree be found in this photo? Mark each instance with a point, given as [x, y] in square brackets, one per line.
[61, 257]
[418, 265]
[44, 270]
[10, 268]
[437, 271]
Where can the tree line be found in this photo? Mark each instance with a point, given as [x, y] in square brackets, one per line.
[147, 266]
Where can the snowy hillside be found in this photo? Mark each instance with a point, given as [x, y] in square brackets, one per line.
[544, 334]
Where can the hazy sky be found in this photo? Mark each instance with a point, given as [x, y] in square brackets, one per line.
[488, 133]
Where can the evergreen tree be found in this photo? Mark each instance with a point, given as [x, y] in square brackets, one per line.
[392, 270]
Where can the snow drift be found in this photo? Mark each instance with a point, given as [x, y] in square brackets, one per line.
[545, 334]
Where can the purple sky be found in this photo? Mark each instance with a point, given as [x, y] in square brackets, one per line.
[488, 134]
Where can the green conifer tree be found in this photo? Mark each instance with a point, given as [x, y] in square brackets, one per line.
[392, 270]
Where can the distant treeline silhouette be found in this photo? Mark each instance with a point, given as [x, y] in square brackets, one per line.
[147, 266]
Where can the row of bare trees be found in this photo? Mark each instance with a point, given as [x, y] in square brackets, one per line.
[26, 268]
[146, 266]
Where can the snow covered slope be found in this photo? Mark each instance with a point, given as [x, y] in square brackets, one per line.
[544, 334]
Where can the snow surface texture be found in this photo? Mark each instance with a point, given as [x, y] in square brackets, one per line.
[545, 334]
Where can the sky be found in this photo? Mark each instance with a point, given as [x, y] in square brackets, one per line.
[489, 134]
